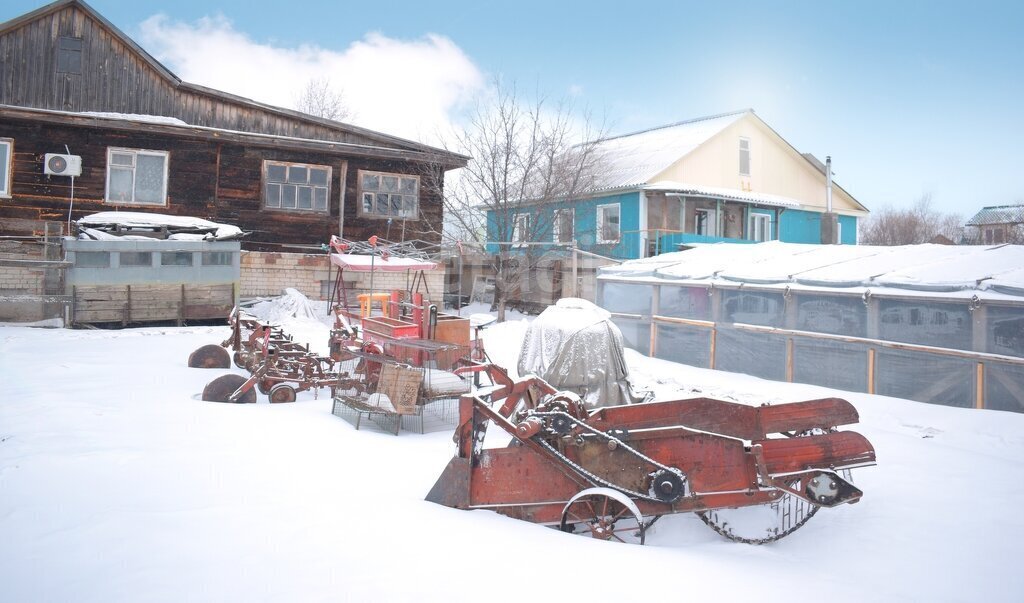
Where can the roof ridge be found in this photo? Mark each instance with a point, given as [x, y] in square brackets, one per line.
[678, 123]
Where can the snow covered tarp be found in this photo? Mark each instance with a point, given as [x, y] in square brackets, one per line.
[132, 224]
[574, 346]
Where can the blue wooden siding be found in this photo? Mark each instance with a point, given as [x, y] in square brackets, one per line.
[798, 226]
[848, 224]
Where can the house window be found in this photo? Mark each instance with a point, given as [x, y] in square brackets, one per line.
[608, 223]
[521, 228]
[136, 258]
[136, 177]
[6, 150]
[384, 195]
[562, 227]
[296, 186]
[706, 222]
[759, 227]
[217, 258]
[176, 258]
[69, 55]
[744, 157]
[92, 259]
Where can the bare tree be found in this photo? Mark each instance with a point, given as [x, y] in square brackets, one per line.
[525, 157]
[918, 224]
[320, 99]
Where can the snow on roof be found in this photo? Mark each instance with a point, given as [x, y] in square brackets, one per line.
[129, 220]
[669, 186]
[149, 119]
[985, 271]
[633, 159]
[998, 214]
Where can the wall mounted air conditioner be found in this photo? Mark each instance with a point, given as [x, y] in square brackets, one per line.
[55, 164]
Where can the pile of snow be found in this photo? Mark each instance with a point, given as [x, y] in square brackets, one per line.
[307, 321]
[98, 226]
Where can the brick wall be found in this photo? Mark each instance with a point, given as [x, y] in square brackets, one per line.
[267, 274]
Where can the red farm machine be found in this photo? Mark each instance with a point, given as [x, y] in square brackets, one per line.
[753, 474]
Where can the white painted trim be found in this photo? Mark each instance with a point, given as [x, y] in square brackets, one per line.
[643, 224]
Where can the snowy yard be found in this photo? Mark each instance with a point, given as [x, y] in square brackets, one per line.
[118, 484]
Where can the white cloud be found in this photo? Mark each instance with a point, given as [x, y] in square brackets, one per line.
[408, 88]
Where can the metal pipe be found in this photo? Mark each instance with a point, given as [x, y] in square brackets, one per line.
[828, 183]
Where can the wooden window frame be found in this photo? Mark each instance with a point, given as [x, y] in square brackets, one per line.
[600, 223]
[362, 191]
[7, 167]
[135, 153]
[62, 66]
[746, 150]
[556, 225]
[312, 209]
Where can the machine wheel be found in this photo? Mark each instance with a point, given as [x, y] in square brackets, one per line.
[264, 385]
[282, 392]
[239, 359]
[209, 356]
[221, 388]
[604, 513]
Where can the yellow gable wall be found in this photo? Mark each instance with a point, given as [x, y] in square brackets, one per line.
[775, 167]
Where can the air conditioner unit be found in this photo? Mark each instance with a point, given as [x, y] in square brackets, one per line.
[55, 164]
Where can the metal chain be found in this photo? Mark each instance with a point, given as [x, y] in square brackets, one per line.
[594, 478]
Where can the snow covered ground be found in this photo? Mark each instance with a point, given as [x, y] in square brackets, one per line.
[118, 484]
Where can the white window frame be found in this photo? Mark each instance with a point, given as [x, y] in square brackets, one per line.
[711, 221]
[557, 236]
[6, 167]
[521, 228]
[299, 186]
[756, 220]
[742, 151]
[601, 223]
[135, 154]
[365, 194]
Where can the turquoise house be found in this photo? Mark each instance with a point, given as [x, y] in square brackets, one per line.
[723, 178]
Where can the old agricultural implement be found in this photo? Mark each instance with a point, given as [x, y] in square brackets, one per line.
[753, 474]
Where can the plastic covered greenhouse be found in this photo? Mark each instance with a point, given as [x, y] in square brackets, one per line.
[934, 323]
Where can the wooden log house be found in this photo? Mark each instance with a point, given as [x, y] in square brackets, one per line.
[72, 83]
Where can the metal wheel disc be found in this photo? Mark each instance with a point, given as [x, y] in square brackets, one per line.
[282, 392]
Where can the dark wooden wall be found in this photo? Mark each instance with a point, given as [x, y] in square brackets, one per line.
[217, 181]
[117, 78]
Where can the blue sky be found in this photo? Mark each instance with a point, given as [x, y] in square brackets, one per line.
[908, 97]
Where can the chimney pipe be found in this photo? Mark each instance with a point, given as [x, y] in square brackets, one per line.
[828, 183]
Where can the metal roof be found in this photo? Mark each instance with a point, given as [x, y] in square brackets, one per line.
[998, 214]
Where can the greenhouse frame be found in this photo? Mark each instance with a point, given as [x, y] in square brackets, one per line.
[933, 323]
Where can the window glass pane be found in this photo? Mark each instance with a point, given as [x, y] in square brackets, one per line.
[119, 184]
[389, 184]
[305, 197]
[753, 307]
[149, 179]
[288, 195]
[176, 258]
[275, 172]
[1006, 331]
[396, 204]
[832, 314]
[5, 153]
[371, 182]
[298, 174]
[273, 195]
[409, 204]
[368, 203]
[217, 258]
[318, 176]
[926, 322]
[320, 198]
[92, 259]
[136, 258]
[382, 203]
[409, 186]
[122, 159]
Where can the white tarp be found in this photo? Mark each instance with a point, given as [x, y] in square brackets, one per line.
[574, 346]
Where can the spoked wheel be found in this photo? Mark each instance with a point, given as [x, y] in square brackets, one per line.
[282, 392]
[606, 514]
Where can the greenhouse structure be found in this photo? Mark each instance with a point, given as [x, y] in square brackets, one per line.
[933, 323]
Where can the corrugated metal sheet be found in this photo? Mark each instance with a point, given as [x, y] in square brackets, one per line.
[998, 214]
